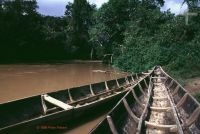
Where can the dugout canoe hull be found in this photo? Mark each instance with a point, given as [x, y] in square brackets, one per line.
[31, 113]
[162, 106]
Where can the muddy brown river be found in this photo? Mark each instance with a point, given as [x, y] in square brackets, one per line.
[19, 81]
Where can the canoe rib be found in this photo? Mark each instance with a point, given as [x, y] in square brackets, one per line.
[167, 108]
[162, 127]
[111, 124]
[53, 106]
[135, 118]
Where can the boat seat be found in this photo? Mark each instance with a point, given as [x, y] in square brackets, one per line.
[56, 102]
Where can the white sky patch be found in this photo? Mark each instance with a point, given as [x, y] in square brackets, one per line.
[175, 6]
[98, 2]
[53, 1]
[52, 7]
[57, 7]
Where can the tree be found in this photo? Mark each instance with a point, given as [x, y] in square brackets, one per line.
[191, 3]
[1, 6]
[157, 38]
[80, 13]
[20, 29]
[110, 23]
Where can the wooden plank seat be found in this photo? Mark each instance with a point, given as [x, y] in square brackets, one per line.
[56, 102]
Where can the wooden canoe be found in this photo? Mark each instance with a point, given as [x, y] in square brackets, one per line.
[27, 114]
[162, 106]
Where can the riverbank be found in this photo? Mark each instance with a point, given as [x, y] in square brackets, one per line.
[49, 62]
[193, 86]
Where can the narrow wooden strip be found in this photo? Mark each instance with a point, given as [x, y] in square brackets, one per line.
[145, 111]
[51, 109]
[158, 77]
[176, 90]
[136, 76]
[91, 91]
[160, 98]
[171, 83]
[136, 98]
[193, 117]
[107, 89]
[111, 124]
[182, 100]
[162, 127]
[160, 109]
[43, 105]
[70, 96]
[132, 78]
[117, 83]
[57, 102]
[128, 109]
[179, 127]
[145, 73]
[140, 87]
[146, 83]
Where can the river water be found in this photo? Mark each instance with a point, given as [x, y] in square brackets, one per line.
[19, 81]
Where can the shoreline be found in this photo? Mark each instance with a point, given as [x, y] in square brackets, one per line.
[50, 62]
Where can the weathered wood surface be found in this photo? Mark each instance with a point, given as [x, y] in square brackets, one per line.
[67, 104]
[159, 105]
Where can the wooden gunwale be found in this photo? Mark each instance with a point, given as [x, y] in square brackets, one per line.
[111, 93]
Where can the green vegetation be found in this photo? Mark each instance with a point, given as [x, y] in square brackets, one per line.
[27, 36]
[141, 36]
[137, 33]
[156, 38]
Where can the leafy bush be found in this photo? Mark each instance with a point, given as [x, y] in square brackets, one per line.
[161, 39]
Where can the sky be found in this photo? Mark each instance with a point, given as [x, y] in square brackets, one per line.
[175, 6]
[57, 7]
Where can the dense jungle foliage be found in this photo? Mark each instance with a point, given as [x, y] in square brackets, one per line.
[137, 33]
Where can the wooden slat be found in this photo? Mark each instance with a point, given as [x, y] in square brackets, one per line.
[171, 128]
[111, 124]
[176, 90]
[70, 96]
[140, 87]
[43, 105]
[182, 100]
[160, 98]
[193, 117]
[146, 83]
[57, 102]
[136, 98]
[145, 73]
[128, 109]
[171, 83]
[161, 109]
[91, 91]
[158, 77]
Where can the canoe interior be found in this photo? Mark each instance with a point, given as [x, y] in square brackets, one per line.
[120, 117]
[18, 111]
[134, 112]
[187, 107]
[30, 109]
[79, 93]
[99, 88]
